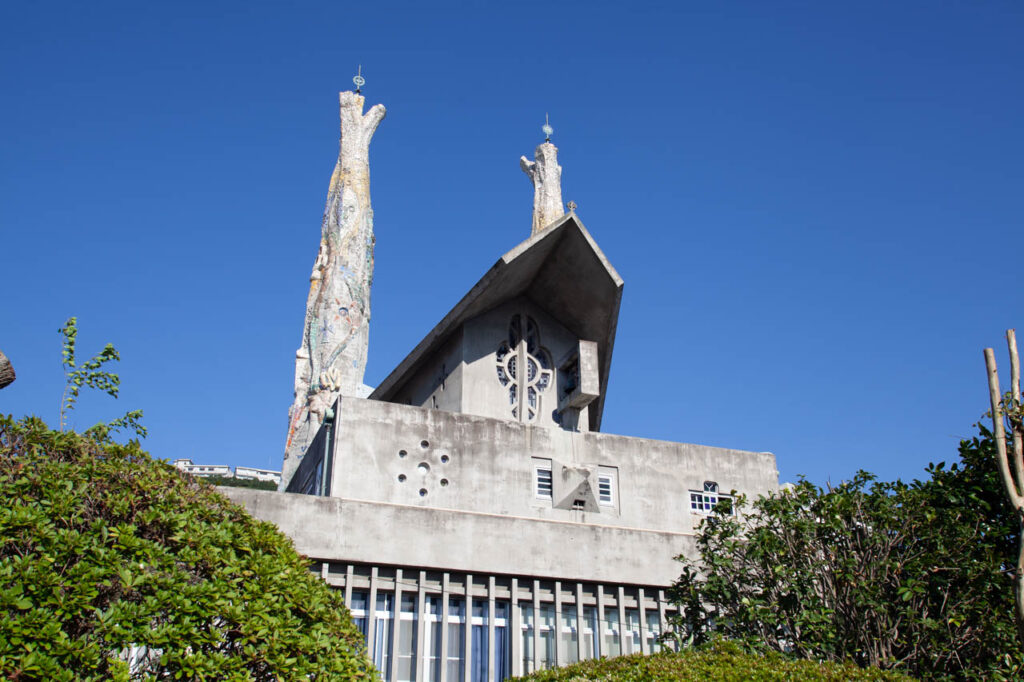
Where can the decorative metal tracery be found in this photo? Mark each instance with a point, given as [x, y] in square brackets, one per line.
[539, 374]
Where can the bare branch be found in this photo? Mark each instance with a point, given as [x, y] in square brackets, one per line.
[1016, 435]
[996, 399]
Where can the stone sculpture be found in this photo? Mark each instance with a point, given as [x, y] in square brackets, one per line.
[546, 175]
[332, 358]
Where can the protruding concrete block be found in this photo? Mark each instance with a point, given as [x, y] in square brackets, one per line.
[578, 377]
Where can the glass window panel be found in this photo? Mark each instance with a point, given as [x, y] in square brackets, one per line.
[382, 639]
[527, 625]
[613, 640]
[591, 642]
[532, 334]
[406, 650]
[545, 381]
[432, 639]
[358, 609]
[632, 634]
[502, 648]
[653, 631]
[456, 655]
[479, 656]
[569, 635]
[547, 636]
[543, 483]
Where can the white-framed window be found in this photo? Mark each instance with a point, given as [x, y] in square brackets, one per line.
[546, 626]
[653, 632]
[703, 502]
[405, 647]
[383, 614]
[591, 633]
[432, 639]
[570, 634]
[357, 608]
[455, 657]
[542, 482]
[613, 640]
[479, 635]
[607, 486]
[631, 634]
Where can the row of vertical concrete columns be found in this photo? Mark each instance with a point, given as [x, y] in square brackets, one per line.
[514, 625]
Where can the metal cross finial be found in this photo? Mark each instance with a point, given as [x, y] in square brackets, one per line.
[547, 129]
[571, 206]
[359, 80]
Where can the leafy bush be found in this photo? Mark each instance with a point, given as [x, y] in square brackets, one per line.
[719, 662]
[240, 482]
[108, 556]
[903, 576]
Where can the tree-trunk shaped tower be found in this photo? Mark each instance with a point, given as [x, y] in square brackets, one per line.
[546, 175]
[332, 358]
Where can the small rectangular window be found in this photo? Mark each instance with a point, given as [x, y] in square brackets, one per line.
[607, 486]
[704, 502]
[543, 482]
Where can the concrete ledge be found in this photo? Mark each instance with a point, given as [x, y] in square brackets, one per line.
[336, 529]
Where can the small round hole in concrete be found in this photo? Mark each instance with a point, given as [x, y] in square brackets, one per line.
[401, 478]
[444, 459]
[422, 468]
[402, 453]
[444, 482]
[424, 444]
[423, 492]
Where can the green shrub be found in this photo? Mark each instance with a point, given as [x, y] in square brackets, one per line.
[239, 482]
[908, 576]
[107, 554]
[718, 662]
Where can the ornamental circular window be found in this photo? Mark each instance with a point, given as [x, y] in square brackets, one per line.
[524, 387]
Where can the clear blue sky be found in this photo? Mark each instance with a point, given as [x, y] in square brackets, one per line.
[817, 207]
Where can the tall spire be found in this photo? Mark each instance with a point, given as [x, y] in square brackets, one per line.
[546, 175]
[332, 358]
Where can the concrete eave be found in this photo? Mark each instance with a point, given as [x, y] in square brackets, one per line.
[562, 270]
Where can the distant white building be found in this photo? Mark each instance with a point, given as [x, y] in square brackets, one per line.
[223, 470]
[254, 474]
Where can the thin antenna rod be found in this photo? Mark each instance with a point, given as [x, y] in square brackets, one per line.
[359, 80]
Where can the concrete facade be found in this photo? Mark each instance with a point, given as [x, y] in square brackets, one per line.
[477, 519]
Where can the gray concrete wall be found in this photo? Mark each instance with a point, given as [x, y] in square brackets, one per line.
[462, 376]
[438, 383]
[409, 456]
[483, 395]
[332, 529]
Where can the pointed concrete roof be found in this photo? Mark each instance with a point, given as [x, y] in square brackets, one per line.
[563, 271]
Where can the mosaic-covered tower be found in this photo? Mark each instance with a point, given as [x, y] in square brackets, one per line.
[332, 358]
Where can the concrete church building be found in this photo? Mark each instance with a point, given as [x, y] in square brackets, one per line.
[477, 519]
